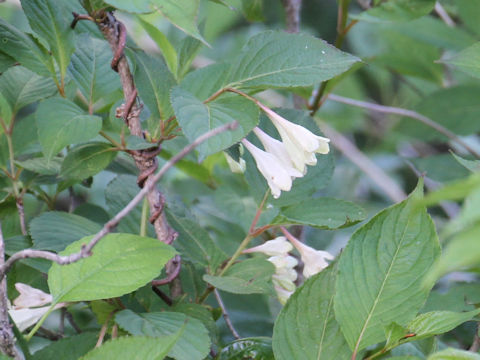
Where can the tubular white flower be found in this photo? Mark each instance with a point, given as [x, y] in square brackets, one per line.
[30, 297]
[277, 148]
[237, 167]
[278, 177]
[276, 247]
[300, 143]
[314, 260]
[24, 318]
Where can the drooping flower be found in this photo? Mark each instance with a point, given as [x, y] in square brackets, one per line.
[300, 143]
[30, 297]
[276, 247]
[272, 169]
[314, 260]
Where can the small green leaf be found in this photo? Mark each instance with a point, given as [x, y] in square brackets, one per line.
[454, 354]
[60, 123]
[195, 244]
[87, 160]
[397, 10]
[306, 327]
[472, 165]
[134, 348]
[193, 344]
[121, 263]
[47, 18]
[42, 165]
[72, 347]
[381, 271]
[281, 60]
[323, 213]
[56, 230]
[252, 276]
[258, 348]
[467, 60]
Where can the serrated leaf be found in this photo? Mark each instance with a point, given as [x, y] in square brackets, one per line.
[55, 230]
[196, 118]
[252, 276]
[397, 10]
[193, 344]
[42, 165]
[467, 60]
[121, 263]
[195, 244]
[454, 354]
[323, 213]
[275, 59]
[134, 348]
[26, 50]
[381, 271]
[22, 87]
[72, 347]
[46, 18]
[258, 348]
[87, 160]
[90, 69]
[60, 123]
[306, 327]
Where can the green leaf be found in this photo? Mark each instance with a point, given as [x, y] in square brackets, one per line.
[56, 230]
[5, 62]
[195, 244]
[472, 165]
[275, 59]
[196, 118]
[26, 50]
[42, 165]
[381, 270]
[168, 51]
[72, 347]
[5, 112]
[456, 108]
[258, 348]
[253, 10]
[323, 213]
[252, 276]
[193, 344]
[60, 123]
[454, 191]
[467, 60]
[22, 87]
[121, 263]
[90, 69]
[397, 10]
[47, 19]
[306, 327]
[454, 354]
[87, 160]
[133, 6]
[134, 348]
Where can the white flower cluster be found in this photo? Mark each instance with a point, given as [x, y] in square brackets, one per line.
[282, 161]
[278, 249]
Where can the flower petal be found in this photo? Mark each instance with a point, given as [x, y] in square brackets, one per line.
[276, 247]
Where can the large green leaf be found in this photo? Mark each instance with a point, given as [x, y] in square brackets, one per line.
[55, 230]
[42, 165]
[281, 60]
[60, 123]
[196, 118]
[467, 60]
[87, 160]
[381, 271]
[323, 213]
[306, 327]
[397, 10]
[6, 61]
[195, 244]
[69, 348]
[258, 348]
[90, 69]
[252, 276]
[134, 348]
[120, 263]
[47, 18]
[454, 354]
[21, 87]
[5, 112]
[193, 344]
[25, 49]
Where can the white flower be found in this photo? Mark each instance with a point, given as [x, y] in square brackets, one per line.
[277, 148]
[300, 143]
[276, 247]
[24, 318]
[272, 169]
[237, 167]
[30, 297]
[314, 260]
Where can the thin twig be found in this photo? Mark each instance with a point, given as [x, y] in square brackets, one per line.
[103, 330]
[87, 249]
[226, 317]
[376, 174]
[408, 113]
[173, 275]
[292, 14]
[21, 215]
[442, 14]
[162, 295]
[72, 322]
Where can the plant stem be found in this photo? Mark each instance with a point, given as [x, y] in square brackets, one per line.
[144, 219]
